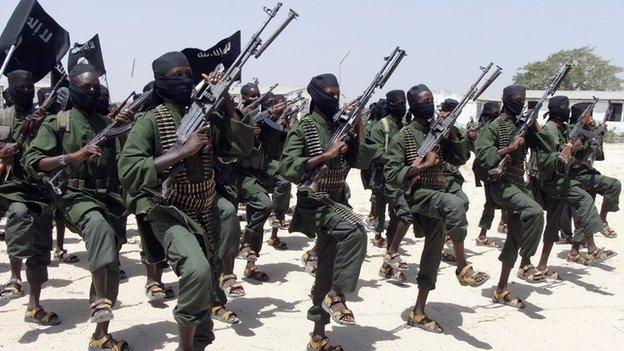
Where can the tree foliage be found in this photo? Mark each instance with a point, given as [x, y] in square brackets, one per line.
[589, 71]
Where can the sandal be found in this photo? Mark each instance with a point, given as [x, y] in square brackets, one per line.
[387, 272]
[530, 274]
[549, 274]
[608, 232]
[448, 257]
[255, 274]
[277, 243]
[599, 255]
[101, 311]
[423, 322]
[280, 224]
[39, 316]
[230, 286]
[506, 298]
[378, 241]
[395, 261]
[227, 316]
[107, 343]
[12, 290]
[485, 241]
[578, 258]
[468, 276]
[63, 256]
[319, 343]
[247, 253]
[310, 262]
[339, 316]
[502, 228]
[154, 291]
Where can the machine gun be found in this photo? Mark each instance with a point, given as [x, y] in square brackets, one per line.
[442, 126]
[349, 118]
[208, 97]
[111, 131]
[531, 118]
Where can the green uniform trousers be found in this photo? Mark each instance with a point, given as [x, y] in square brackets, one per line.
[103, 244]
[188, 259]
[281, 196]
[229, 238]
[525, 222]
[607, 187]
[341, 249]
[258, 208]
[487, 215]
[29, 237]
[398, 211]
[586, 219]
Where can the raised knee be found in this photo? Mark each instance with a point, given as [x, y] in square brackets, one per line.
[199, 272]
[18, 210]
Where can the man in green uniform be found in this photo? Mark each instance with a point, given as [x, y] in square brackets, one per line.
[341, 243]
[558, 188]
[435, 210]
[185, 221]
[509, 190]
[490, 111]
[372, 178]
[400, 214]
[85, 205]
[27, 206]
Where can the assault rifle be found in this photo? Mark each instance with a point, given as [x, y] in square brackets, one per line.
[309, 184]
[28, 126]
[254, 105]
[599, 134]
[208, 97]
[531, 118]
[580, 131]
[265, 116]
[111, 131]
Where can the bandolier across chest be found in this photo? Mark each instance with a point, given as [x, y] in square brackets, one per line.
[431, 178]
[514, 171]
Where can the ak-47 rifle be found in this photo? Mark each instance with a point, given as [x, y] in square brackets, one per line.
[208, 97]
[111, 131]
[29, 125]
[580, 131]
[265, 116]
[531, 118]
[443, 126]
[254, 105]
[599, 134]
[309, 184]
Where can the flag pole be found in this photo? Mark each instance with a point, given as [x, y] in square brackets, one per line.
[7, 59]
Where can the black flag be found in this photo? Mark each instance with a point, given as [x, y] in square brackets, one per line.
[91, 51]
[40, 41]
[205, 61]
[57, 74]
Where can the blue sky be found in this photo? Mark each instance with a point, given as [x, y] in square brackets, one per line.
[445, 40]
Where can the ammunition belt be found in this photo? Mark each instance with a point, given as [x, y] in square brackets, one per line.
[431, 178]
[514, 172]
[344, 211]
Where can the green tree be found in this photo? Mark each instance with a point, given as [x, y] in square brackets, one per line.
[589, 71]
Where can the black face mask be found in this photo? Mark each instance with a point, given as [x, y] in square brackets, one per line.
[85, 100]
[397, 109]
[177, 89]
[328, 104]
[425, 110]
[488, 116]
[512, 106]
[23, 98]
[560, 114]
[102, 107]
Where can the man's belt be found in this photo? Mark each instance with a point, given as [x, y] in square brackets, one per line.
[98, 183]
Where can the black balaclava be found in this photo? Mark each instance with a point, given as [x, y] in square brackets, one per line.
[103, 106]
[326, 103]
[396, 103]
[8, 100]
[423, 110]
[22, 97]
[246, 90]
[85, 100]
[577, 110]
[55, 106]
[175, 89]
[449, 105]
[510, 105]
[490, 111]
[378, 109]
[559, 108]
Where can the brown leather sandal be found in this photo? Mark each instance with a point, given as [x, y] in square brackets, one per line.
[470, 277]
[107, 343]
[39, 316]
[423, 322]
[505, 298]
[339, 316]
[101, 311]
[318, 343]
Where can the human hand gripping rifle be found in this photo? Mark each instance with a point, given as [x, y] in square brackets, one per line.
[443, 126]
[111, 131]
[580, 132]
[30, 124]
[209, 96]
[309, 184]
[264, 117]
[531, 118]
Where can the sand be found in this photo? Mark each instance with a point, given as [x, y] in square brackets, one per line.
[584, 311]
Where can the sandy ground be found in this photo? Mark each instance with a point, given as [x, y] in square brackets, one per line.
[583, 311]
